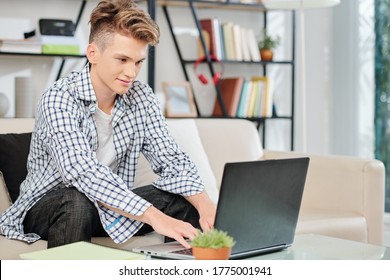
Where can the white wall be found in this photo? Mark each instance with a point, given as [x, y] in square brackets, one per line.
[339, 114]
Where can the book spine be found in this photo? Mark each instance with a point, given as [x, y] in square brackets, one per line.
[208, 26]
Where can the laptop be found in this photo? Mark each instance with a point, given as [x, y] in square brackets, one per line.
[258, 205]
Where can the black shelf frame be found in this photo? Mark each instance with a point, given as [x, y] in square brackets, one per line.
[43, 54]
[260, 122]
[206, 4]
[151, 6]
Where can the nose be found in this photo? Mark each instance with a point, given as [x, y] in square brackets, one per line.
[130, 70]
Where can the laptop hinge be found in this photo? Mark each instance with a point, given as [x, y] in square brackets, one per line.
[258, 252]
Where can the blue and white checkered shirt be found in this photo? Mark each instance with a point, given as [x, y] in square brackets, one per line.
[63, 152]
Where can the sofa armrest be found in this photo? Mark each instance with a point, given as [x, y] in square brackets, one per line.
[344, 184]
[16, 125]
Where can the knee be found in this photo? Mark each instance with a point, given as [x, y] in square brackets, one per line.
[76, 204]
[73, 219]
[76, 199]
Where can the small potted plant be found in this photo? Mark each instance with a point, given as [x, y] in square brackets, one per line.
[213, 244]
[266, 46]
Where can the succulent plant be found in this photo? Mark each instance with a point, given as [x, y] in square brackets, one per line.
[213, 238]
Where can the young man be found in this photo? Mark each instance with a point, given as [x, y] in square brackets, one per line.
[90, 130]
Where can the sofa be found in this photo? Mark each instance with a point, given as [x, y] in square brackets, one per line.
[343, 196]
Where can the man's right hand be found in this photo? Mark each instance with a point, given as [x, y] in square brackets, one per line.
[163, 224]
[168, 226]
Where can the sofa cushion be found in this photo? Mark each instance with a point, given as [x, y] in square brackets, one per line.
[12, 248]
[186, 135]
[341, 224]
[14, 149]
[5, 200]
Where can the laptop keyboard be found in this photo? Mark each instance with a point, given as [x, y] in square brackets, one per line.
[186, 251]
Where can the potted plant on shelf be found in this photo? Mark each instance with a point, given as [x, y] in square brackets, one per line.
[266, 46]
[213, 244]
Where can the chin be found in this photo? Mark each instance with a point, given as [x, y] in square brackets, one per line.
[122, 91]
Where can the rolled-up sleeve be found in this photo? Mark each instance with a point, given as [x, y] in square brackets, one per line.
[177, 172]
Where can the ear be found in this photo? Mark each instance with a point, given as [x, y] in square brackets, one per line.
[92, 53]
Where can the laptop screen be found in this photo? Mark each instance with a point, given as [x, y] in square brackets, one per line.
[260, 201]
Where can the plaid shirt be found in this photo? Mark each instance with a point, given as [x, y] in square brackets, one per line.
[63, 154]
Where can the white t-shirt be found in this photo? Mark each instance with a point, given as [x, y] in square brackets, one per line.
[106, 151]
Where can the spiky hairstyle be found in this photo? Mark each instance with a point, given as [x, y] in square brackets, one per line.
[122, 17]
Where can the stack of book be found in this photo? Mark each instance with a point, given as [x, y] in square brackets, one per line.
[52, 44]
[31, 45]
[245, 98]
[229, 41]
[45, 44]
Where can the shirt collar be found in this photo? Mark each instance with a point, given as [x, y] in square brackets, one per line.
[84, 85]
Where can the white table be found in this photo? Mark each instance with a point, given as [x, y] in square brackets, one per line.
[318, 247]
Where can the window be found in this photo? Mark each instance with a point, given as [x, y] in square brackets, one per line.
[382, 89]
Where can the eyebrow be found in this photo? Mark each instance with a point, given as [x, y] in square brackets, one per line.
[127, 57]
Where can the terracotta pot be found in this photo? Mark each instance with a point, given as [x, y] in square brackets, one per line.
[266, 55]
[211, 253]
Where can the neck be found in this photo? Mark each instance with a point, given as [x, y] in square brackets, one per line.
[104, 97]
[105, 107]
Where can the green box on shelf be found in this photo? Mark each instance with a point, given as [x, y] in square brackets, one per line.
[61, 49]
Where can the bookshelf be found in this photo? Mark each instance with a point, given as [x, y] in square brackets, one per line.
[62, 56]
[151, 7]
[262, 66]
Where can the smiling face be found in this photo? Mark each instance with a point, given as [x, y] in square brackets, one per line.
[115, 67]
[118, 45]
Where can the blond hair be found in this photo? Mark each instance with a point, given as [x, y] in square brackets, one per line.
[122, 17]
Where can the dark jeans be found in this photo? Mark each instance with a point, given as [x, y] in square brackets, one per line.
[65, 215]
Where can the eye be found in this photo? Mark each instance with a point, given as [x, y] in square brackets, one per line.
[123, 60]
[139, 62]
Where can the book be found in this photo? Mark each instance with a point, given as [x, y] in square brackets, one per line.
[211, 26]
[82, 251]
[268, 98]
[218, 39]
[206, 38]
[52, 44]
[227, 31]
[244, 99]
[265, 100]
[60, 49]
[245, 45]
[237, 42]
[32, 45]
[258, 102]
[253, 48]
[230, 89]
[252, 100]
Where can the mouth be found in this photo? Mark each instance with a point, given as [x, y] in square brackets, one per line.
[125, 82]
